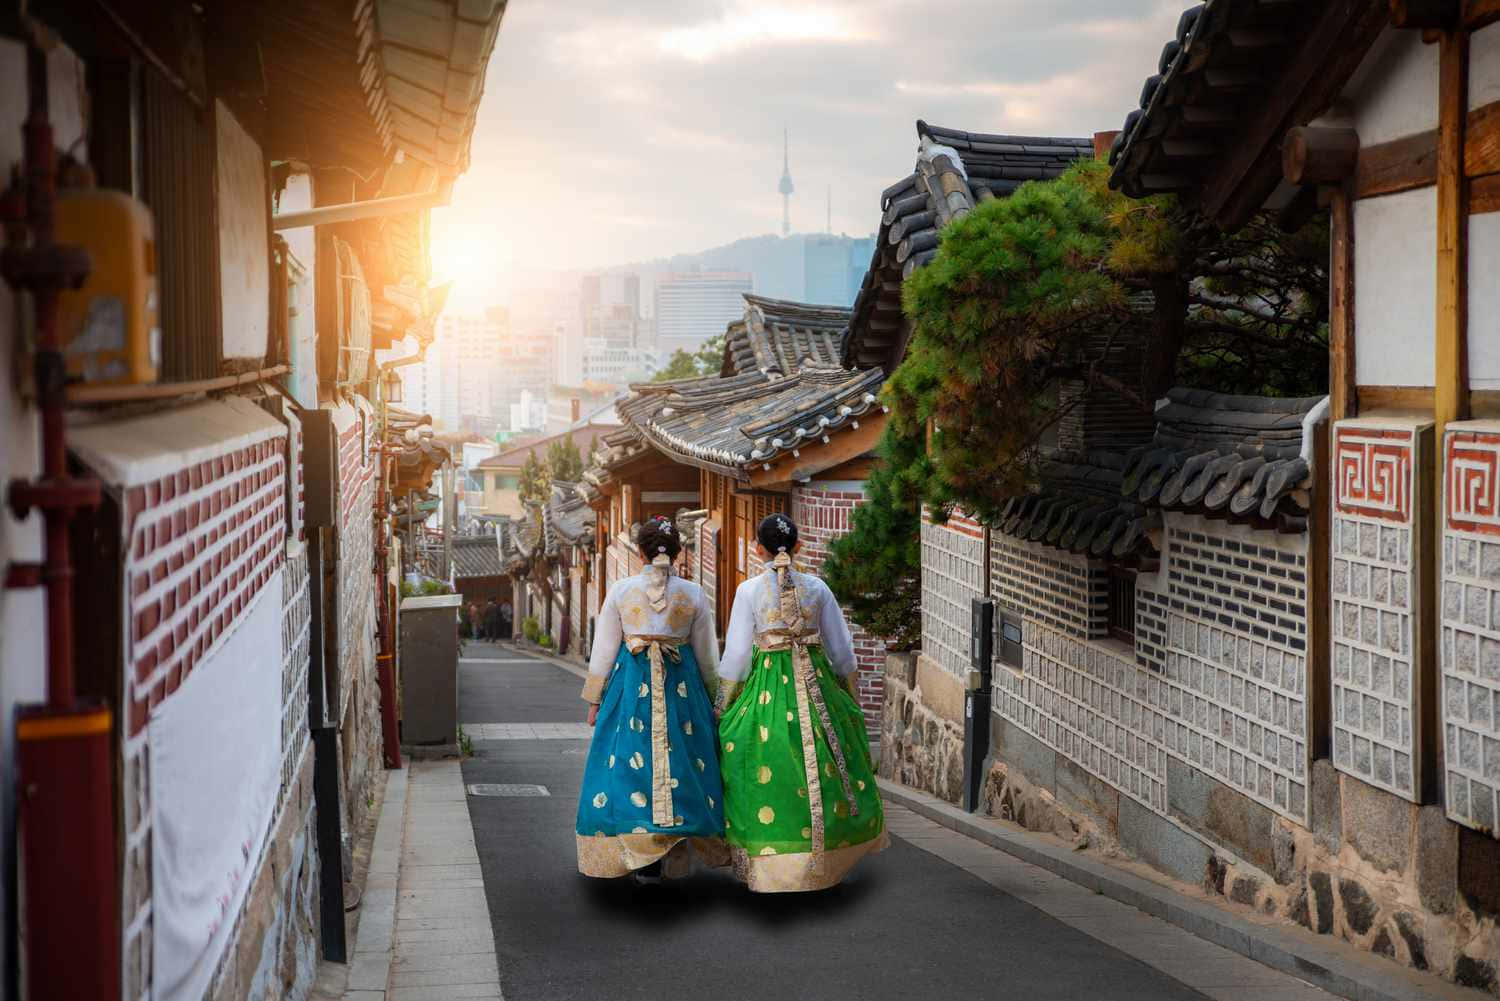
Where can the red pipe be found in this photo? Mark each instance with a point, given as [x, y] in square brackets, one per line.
[65, 781]
[385, 663]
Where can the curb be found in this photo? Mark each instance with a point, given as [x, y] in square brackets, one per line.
[1316, 959]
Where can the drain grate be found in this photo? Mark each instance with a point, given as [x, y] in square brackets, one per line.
[506, 789]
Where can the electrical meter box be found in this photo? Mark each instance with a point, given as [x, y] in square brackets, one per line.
[109, 328]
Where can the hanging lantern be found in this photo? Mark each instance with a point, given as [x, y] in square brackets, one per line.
[392, 386]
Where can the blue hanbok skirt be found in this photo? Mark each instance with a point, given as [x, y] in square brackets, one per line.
[618, 829]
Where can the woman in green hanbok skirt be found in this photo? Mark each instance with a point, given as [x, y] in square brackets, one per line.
[801, 804]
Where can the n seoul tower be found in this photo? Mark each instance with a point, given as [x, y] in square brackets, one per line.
[785, 188]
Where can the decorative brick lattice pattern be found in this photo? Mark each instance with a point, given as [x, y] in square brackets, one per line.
[1236, 664]
[953, 572]
[823, 515]
[1067, 592]
[1373, 584]
[708, 563]
[201, 544]
[356, 559]
[296, 632]
[1093, 705]
[1470, 644]
[1150, 625]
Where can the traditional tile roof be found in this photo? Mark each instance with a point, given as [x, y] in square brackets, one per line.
[567, 519]
[955, 171]
[355, 82]
[1079, 508]
[1210, 99]
[409, 437]
[514, 458]
[777, 336]
[1248, 456]
[728, 424]
[477, 556]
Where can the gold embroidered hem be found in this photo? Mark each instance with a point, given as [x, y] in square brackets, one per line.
[609, 857]
[593, 689]
[799, 873]
[606, 857]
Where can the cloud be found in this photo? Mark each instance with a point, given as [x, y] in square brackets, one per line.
[613, 132]
[757, 25]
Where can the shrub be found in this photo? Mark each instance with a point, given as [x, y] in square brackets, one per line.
[545, 641]
[531, 629]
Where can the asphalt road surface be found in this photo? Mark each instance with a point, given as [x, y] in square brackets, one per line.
[905, 925]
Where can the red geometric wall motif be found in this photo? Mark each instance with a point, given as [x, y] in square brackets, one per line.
[1372, 472]
[1472, 488]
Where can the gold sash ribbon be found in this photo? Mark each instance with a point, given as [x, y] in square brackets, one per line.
[659, 649]
[810, 701]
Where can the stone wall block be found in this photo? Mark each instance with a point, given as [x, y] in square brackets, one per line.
[1327, 806]
[1378, 825]
[1436, 860]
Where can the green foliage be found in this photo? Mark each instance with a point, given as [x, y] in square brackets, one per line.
[876, 569]
[427, 586]
[530, 628]
[536, 481]
[707, 360]
[544, 641]
[1016, 318]
[564, 461]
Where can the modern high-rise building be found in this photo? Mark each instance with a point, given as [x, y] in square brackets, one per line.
[692, 307]
[834, 267]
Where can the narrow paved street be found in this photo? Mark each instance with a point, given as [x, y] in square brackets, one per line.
[936, 916]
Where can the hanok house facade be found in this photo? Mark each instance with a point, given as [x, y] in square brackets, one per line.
[783, 427]
[955, 170]
[224, 586]
[1386, 114]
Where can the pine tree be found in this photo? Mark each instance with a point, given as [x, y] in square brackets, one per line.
[564, 462]
[536, 481]
[876, 569]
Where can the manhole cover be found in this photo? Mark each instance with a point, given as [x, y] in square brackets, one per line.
[506, 789]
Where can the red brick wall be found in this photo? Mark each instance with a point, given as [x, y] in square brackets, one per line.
[822, 514]
[202, 543]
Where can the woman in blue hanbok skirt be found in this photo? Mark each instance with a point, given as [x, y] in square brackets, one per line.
[652, 777]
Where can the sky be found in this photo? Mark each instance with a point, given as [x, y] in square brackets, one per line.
[615, 131]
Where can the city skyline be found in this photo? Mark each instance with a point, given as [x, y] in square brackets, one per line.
[684, 134]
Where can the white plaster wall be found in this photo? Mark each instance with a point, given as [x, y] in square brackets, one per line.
[244, 240]
[23, 613]
[1484, 300]
[1394, 91]
[297, 196]
[1484, 66]
[1395, 279]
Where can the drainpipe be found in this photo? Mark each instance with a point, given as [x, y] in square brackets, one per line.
[65, 781]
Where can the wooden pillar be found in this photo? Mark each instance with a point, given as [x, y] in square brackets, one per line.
[1343, 399]
[1451, 385]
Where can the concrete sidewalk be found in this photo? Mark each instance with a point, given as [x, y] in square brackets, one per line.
[425, 934]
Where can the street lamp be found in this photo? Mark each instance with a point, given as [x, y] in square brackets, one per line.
[392, 386]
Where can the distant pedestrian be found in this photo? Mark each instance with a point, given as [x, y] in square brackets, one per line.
[492, 620]
[507, 621]
[473, 614]
[786, 690]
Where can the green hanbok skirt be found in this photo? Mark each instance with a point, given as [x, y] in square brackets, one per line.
[769, 795]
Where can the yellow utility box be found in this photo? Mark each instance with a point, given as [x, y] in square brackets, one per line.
[110, 330]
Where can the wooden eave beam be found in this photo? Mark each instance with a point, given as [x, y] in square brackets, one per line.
[1424, 13]
[1480, 13]
[1308, 83]
[815, 458]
